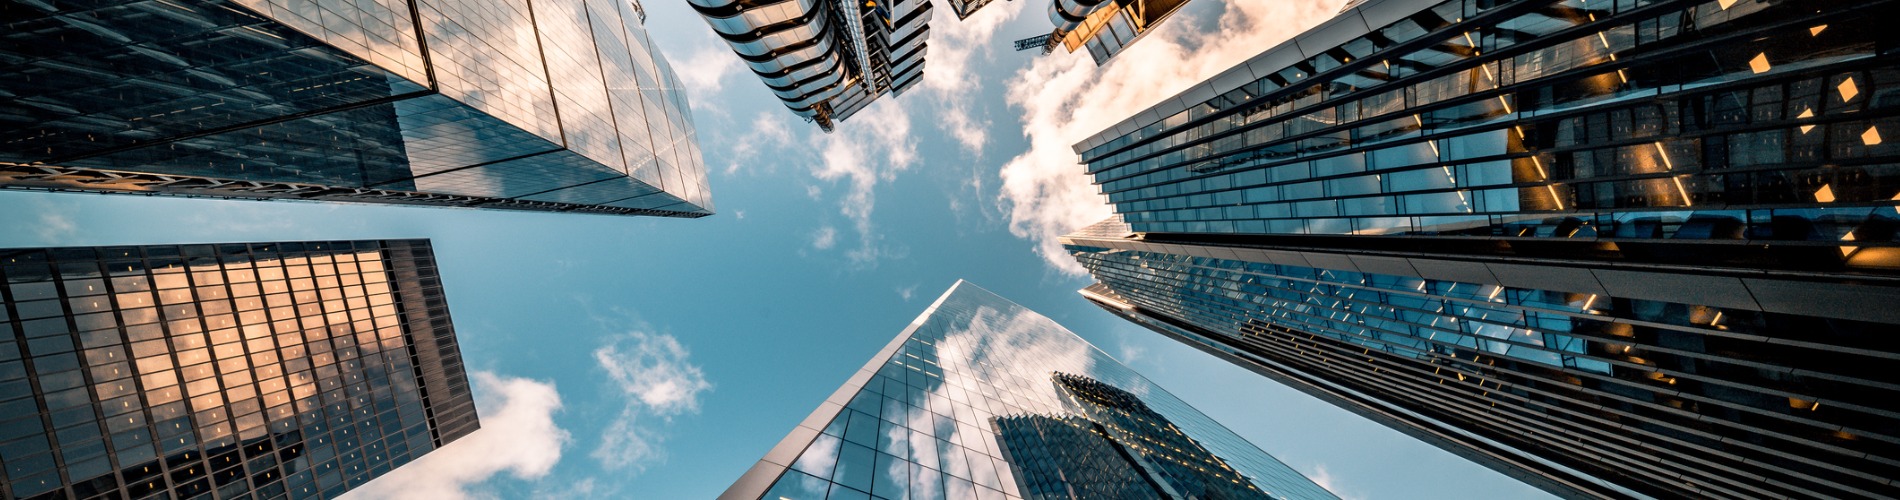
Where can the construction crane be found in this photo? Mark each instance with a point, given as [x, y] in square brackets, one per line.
[1047, 42]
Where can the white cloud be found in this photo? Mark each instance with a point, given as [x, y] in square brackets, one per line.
[814, 193]
[824, 238]
[705, 74]
[907, 292]
[1128, 353]
[654, 370]
[1065, 99]
[738, 214]
[870, 149]
[517, 436]
[54, 225]
[768, 133]
[947, 73]
[659, 381]
[1325, 479]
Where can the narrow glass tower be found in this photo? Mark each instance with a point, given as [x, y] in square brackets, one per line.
[280, 370]
[981, 398]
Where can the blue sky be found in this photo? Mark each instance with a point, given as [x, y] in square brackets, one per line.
[658, 358]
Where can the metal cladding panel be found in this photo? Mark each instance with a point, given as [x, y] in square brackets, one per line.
[1332, 33]
[1569, 279]
[1379, 13]
[1453, 270]
[1827, 300]
[1384, 265]
[1694, 289]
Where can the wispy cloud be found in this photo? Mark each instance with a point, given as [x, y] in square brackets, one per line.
[907, 292]
[518, 437]
[824, 238]
[947, 75]
[1127, 353]
[768, 135]
[1325, 479]
[659, 381]
[872, 148]
[705, 74]
[1065, 99]
[54, 226]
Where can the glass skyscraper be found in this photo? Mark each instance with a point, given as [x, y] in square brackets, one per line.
[982, 398]
[562, 105]
[1611, 247]
[262, 370]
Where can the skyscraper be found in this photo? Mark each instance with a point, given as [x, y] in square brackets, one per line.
[827, 60]
[1105, 27]
[1611, 248]
[562, 105]
[982, 398]
[280, 370]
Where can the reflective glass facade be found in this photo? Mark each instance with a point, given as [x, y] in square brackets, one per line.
[263, 370]
[981, 398]
[558, 105]
[1613, 248]
[828, 59]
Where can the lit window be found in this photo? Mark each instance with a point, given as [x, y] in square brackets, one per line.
[1760, 63]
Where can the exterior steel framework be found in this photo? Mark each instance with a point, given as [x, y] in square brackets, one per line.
[1614, 248]
[554, 105]
[981, 398]
[263, 370]
[827, 59]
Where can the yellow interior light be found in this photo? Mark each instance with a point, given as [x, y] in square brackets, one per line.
[1760, 63]
[1871, 137]
[1848, 90]
[1816, 31]
[1725, 3]
[1825, 194]
[1806, 113]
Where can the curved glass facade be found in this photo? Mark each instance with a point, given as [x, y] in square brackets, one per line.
[562, 105]
[982, 398]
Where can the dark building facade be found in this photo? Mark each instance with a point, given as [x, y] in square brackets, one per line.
[1612, 248]
[262, 370]
[549, 105]
[982, 398]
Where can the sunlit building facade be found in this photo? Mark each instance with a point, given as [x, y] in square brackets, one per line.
[262, 370]
[982, 398]
[827, 60]
[560, 106]
[1612, 248]
[1105, 27]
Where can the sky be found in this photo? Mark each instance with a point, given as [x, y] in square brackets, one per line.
[638, 357]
